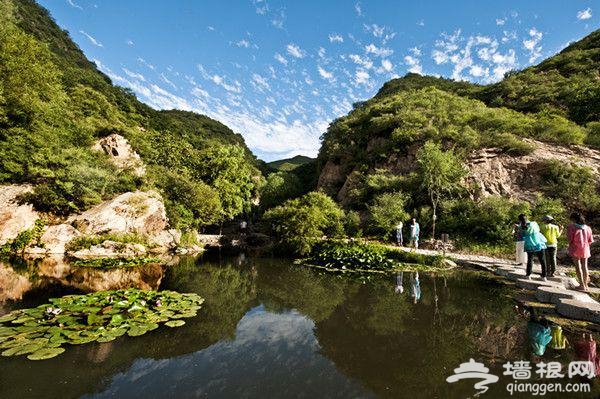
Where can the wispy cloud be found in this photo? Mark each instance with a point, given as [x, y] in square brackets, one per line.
[243, 43]
[74, 5]
[134, 75]
[325, 74]
[143, 62]
[584, 14]
[295, 51]
[278, 20]
[421, 23]
[500, 21]
[261, 6]
[280, 58]
[91, 39]
[358, 9]
[414, 64]
[130, 42]
[335, 38]
[378, 51]
[532, 44]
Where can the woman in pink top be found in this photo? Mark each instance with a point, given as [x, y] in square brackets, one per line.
[580, 238]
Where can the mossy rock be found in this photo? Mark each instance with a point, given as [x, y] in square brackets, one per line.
[103, 316]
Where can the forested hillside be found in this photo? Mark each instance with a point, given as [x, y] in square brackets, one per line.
[534, 131]
[54, 104]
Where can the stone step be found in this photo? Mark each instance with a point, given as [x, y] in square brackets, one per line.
[535, 283]
[515, 275]
[555, 294]
[574, 309]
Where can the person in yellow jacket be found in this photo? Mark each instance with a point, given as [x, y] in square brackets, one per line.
[551, 231]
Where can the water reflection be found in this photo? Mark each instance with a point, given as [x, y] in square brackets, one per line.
[30, 278]
[271, 329]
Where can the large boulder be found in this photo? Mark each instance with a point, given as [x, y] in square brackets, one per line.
[120, 153]
[140, 212]
[55, 239]
[14, 217]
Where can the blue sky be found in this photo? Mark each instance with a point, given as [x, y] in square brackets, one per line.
[279, 72]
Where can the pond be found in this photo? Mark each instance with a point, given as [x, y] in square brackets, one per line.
[272, 329]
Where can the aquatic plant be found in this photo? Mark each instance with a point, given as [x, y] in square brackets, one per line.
[360, 256]
[103, 316]
[112, 263]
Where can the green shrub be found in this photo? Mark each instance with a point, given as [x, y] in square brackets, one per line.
[300, 223]
[24, 239]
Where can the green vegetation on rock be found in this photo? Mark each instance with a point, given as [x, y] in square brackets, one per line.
[42, 332]
[113, 263]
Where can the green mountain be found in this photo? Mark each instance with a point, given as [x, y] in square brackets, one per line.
[532, 134]
[55, 104]
[290, 163]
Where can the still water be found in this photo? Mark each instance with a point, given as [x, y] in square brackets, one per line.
[269, 329]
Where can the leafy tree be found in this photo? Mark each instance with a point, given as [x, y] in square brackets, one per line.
[225, 167]
[387, 210]
[441, 173]
[279, 187]
[301, 222]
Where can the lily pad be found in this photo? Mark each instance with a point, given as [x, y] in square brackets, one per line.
[102, 316]
[46, 353]
[175, 323]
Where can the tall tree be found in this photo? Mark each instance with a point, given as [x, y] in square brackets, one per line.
[441, 173]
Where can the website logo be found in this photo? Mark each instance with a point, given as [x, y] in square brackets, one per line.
[474, 370]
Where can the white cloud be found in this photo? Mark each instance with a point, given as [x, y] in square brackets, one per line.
[91, 39]
[366, 63]
[325, 74]
[421, 23]
[134, 75]
[477, 71]
[243, 43]
[531, 44]
[210, 28]
[387, 65]
[415, 51]
[478, 55]
[278, 20]
[414, 64]
[321, 52]
[167, 81]
[199, 92]
[143, 62]
[358, 9]
[280, 58]
[295, 51]
[335, 38]
[378, 51]
[74, 5]
[234, 87]
[584, 14]
[130, 42]
[362, 77]
[260, 83]
[500, 21]
[261, 6]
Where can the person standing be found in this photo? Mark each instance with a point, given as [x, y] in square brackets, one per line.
[415, 230]
[520, 254]
[580, 237]
[551, 231]
[535, 244]
[399, 238]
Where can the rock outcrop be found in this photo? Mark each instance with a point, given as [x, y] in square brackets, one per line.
[494, 173]
[14, 217]
[120, 153]
[55, 238]
[140, 212]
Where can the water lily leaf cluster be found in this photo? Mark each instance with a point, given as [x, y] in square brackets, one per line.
[43, 331]
[369, 257]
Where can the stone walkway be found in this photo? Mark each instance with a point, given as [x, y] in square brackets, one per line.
[559, 291]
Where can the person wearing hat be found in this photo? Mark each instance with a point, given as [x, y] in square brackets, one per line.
[551, 231]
